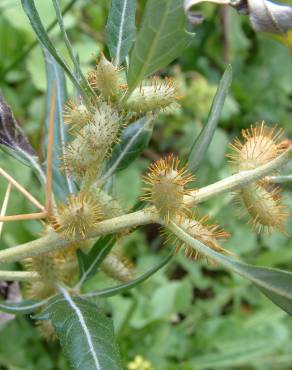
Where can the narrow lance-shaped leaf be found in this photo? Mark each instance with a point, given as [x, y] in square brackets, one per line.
[85, 333]
[161, 39]
[90, 262]
[204, 139]
[121, 29]
[134, 139]
[62, 182]
[24, 307]
[14, 141]
[274, 283]
[108, 292]
[77, 72]
[34, 18]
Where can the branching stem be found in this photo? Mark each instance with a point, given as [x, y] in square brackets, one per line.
[146, 216]
[19, 276]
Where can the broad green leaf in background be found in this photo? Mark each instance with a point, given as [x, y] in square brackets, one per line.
[85, 333]
[161, 39]
[134, 139]
[14, 141]
[203, 141]
[34, 18]
[56, 83]
[274, 283]
[89, 263]
[121, 29]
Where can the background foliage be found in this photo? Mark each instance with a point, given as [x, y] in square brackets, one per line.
[188, 316]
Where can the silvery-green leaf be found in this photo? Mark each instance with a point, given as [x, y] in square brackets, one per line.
[85, 332]
[62, 181]
[161, 38]
[121, 29]
[274, 283]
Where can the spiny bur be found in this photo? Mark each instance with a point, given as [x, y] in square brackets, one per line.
[117, 267]
[76, 115]
[104, 78]
[77, 216]
[208, 234]
[85, 154]
[166, 186]
[261, 200]
[153, 96]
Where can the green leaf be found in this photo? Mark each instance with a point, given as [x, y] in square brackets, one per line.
[121, 29]
[34, 18]
[203, 141]
[131, 284]
[134, 139]
[85, 333]
[274, 283]
[89, 263]
[161, 39]
[14, 141]
[23, 307]
[77, 70]
[56, 83]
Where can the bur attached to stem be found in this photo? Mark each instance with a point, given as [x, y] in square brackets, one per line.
[261, 200]
[165, 188]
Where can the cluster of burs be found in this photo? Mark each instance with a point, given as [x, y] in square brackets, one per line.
[95, 128]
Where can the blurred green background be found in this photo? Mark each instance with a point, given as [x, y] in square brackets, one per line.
[190, 315]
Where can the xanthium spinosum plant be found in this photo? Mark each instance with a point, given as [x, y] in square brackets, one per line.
[83, 231]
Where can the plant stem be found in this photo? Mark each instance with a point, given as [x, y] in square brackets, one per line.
[19, 276]
[53, 241]
[236, 181]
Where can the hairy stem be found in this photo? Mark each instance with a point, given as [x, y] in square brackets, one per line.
[19, 276]
[146, 216]
[237, 181]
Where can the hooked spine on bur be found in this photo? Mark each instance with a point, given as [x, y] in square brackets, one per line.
[261, 200]
[152, 96]
[93, 142]
[77, 216]
[104, 78]
[165, 186]
[76, 115]
[208, 234]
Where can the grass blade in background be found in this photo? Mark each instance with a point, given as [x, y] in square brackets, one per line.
[161, 39]
[204, 139]
[62, 182]
[121, 29]
[85, 333]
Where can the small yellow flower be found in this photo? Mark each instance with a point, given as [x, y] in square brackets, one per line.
[139, 363]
